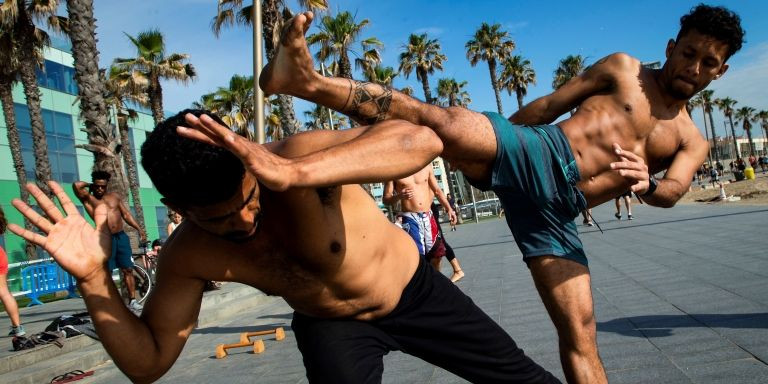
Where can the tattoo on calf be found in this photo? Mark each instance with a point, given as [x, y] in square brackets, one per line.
[369, 102]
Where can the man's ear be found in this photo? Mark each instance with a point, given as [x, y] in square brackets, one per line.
[722, 71]
[670, 47]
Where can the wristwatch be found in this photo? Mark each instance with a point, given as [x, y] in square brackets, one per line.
[652, 185]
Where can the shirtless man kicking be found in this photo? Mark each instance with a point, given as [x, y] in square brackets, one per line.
[630, 123]
[95, 194]
[415, 194]
[289, 219]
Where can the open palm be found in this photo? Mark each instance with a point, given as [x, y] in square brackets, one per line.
[78, 247]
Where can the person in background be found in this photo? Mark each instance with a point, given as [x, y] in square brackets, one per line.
[9, 302]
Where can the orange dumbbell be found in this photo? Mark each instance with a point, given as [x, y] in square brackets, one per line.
[221, 349]
[245, 337]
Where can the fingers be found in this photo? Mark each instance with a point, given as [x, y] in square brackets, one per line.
[27, 235]
[100, 217]
[35, 218]
[627, 154]
[66, 202]
[190, 133]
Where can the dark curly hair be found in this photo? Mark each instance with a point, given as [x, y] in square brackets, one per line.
[718, 22]
[3, 221]
[188, 172]
[100, 175]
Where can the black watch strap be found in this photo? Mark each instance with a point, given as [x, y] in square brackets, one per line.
[652, 185]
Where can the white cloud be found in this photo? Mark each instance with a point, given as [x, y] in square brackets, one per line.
[516, 26]
[430, 31]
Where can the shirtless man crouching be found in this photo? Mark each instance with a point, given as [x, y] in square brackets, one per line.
[630, 123]
[289, 219]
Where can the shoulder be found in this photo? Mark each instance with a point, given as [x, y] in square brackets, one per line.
[615, 66]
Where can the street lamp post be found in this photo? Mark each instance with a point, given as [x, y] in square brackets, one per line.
[258, 64]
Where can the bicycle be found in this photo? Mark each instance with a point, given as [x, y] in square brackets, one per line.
[143, 281]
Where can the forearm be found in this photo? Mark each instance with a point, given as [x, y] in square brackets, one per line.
[81, 189]
[127, 339]
[390, 199]
[534, 113]
[666, 195]
[385, 151]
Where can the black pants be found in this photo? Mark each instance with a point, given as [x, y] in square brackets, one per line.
[434, 321]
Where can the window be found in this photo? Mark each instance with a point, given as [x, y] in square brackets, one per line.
[59, 134]
[58, 77]
[162, 221]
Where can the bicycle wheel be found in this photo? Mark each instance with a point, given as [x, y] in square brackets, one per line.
[143, 283]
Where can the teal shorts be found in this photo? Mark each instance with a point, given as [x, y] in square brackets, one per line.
[121, 252]
[535, 176]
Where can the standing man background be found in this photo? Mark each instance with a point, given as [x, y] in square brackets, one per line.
[415, 194]
[95, 194]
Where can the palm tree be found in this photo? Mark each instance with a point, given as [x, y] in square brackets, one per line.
[726, 106]
[763, 117]
[408, 91]
[102, 141]
[746, 115]
[571, 66]
[422, 55]
[452, 93]
[9, 72]
[152, 62]
[707, 104]
[18, 16]
[235, 104]
[493, 45]
[317, 118]
[336, 37]
[232, 12]
[568, 68]
[381, 75]
[692, 104]
[124, 89]
[516, 74]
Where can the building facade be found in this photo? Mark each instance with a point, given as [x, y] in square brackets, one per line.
[64, 131]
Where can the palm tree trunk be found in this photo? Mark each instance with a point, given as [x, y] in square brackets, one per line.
[155, 93]
[270, 23]
[130, 167]
[26, 29]
[422, 75]
[93, 108]
[14, 142]
[519, 93]
[714, 137]
[733, 134]
[495, 84]
[709, 147]
[748, 129]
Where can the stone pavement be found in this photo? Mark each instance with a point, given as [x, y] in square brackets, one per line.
[680, 297]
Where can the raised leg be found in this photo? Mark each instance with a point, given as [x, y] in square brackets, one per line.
[468, 137]
[564, 287]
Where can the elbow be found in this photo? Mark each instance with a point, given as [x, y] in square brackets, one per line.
[424, 141]
[149, 376]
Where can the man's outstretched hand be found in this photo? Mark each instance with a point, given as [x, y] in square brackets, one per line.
[275, 172]
[79, 248]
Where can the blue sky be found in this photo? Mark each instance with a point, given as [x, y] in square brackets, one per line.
[544, 33]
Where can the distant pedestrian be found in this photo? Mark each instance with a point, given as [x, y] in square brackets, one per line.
[9, 302]
[627, 197]
[587, 215]
[714, 177]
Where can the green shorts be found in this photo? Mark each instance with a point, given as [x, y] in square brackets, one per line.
[535, 176]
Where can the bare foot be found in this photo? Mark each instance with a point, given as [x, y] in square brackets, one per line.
[291, 72]
[457, 275]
